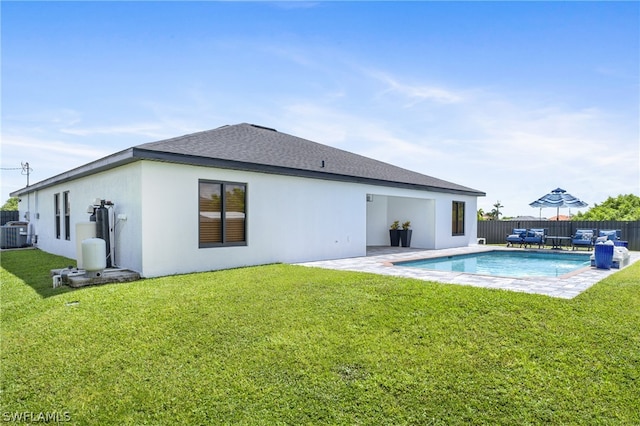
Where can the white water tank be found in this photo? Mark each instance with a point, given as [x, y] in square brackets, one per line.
[84, 230]
[94, 254]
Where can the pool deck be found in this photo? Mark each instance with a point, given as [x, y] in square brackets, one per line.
[379, 260]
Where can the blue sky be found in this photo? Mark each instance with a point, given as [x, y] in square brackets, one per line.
[514, 99]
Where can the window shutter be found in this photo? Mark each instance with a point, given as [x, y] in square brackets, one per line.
[210, 213]
[234, 213]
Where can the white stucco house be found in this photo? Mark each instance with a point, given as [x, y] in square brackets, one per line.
[245, 195]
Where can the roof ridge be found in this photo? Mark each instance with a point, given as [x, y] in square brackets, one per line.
[257, 126]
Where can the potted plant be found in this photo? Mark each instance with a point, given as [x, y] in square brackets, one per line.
[394, 233]
[405, 234]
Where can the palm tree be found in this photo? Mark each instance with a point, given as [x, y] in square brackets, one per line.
[495, 213]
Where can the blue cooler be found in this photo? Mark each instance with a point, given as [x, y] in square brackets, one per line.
[604, 255]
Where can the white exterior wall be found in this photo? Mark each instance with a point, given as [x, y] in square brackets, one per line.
[289, 219]
[120, 185]
[444, 239]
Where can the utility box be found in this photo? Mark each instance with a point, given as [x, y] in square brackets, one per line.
[13, 236]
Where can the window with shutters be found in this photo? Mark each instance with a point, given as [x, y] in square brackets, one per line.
[223, 213]
[56, 209]
[67, 215]
[457, 218]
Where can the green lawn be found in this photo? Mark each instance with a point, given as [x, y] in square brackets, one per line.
[284, 344]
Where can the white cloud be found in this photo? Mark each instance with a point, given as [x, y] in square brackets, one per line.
[533, 151]
[148, 130]
[45, 118]
[49, 148]
[516, 148]
[289, 53]
[416, 93]
[46, 158]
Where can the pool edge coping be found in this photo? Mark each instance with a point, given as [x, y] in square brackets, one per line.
[566, 288]
[502, 250]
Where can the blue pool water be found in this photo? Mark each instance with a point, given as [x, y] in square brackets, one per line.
[506, 264]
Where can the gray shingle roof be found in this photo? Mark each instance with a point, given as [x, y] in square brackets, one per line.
[251, 147]
[256, 148]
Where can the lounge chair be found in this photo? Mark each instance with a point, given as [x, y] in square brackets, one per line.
[583, 238]
[516, 237]
[535, 236]
[610, 234]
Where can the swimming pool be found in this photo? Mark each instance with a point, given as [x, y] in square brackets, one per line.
[506, 264]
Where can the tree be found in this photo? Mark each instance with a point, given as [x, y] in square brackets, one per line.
[623, 207]
[495, 212]
[480, 214]
[11, 204]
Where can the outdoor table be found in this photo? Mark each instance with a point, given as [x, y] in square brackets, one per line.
[556, 241]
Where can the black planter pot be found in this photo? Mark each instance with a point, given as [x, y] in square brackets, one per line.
[394, 235]
[405, 237]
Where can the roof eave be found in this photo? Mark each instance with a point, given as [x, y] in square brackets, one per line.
[144, 154]
[105, 163]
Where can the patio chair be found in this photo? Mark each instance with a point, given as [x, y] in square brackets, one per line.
[535, 236]
[583, 238]
[610, 234]
[516, 237]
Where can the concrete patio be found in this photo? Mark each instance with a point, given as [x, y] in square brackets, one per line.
[379, 261]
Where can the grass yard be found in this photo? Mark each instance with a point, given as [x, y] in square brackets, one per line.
[284, 344]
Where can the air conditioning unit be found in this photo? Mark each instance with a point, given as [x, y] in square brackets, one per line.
[13, 235]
